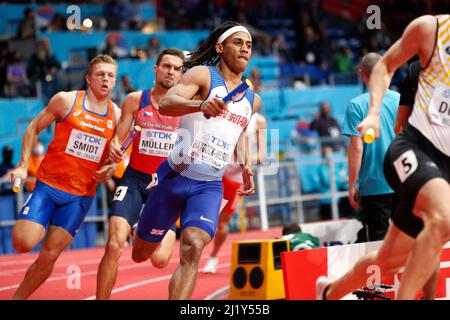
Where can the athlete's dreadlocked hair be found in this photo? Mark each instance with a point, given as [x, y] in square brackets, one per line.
[206, 53]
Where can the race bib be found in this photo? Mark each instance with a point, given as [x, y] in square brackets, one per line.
[211, 150]
[120, 193]
[85, 146]
[406, 165]
[439, 110]
[156, 142]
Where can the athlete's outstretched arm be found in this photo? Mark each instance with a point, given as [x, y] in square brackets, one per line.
[412, 42]
[109, 166]
[187, 96]
[128, 111]
[178, 100]
[57, 108]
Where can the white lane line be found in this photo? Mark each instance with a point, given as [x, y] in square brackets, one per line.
[10, 263]
[94, 272]
[69, 255]
[61, 265]
[219, 294]
[73, 254]
[89, 273]
[65, 256]
[137, 284]
[148, 281]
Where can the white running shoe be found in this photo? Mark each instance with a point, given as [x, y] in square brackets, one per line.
[322, 284]
[211, 265]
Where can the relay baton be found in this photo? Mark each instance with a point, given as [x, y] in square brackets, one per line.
[369, 136]
[240, 88]
[130, 138]
[16, 185]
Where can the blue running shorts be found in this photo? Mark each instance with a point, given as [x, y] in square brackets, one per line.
[197, 203]
[47, 205]
[130, 196]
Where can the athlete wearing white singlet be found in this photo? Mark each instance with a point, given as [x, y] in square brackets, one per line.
[192, 174]
[426, 139]
[189, 182]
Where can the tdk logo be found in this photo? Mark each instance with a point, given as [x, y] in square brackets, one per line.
[88, 138]
[160, 135]
[221, 143]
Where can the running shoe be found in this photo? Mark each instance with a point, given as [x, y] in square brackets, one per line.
[211, 265]
[322, 284]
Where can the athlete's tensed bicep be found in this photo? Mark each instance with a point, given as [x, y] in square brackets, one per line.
[418, 38]
[193, 83]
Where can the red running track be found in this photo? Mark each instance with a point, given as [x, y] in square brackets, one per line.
[134, 282]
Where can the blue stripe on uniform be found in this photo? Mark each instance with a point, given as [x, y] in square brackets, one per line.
[145, 99]
[216, 78]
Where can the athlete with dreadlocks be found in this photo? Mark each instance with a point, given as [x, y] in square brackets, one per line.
[190, 180]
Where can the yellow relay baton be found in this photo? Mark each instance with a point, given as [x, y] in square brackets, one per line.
[16, 185]
[369, 135]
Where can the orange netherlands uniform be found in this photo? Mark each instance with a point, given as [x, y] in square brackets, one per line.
[78, 149]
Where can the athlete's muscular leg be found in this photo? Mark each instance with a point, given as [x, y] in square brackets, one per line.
[389, 259]
[142, 250]
[182, 283]
[161, 256]
[433, 207]
[57, 240]
[429, 289]
[26, 235]
[119, 229]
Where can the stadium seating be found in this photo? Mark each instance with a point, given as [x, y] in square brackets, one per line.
[283, 105]
[44, 13]
[309, 166]
[7, 212]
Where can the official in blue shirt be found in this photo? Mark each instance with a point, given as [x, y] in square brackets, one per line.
[367, 184]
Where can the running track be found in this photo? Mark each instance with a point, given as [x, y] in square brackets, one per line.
[135, 281]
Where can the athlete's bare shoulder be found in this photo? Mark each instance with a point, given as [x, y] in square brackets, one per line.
[61, 103]
[131, 102]
[424, 27]
[197, 73]
[198, 69]
[134, 96]
[421, 34]
[67, 96]
[419, 37]
[194, 83]
[425, 20]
